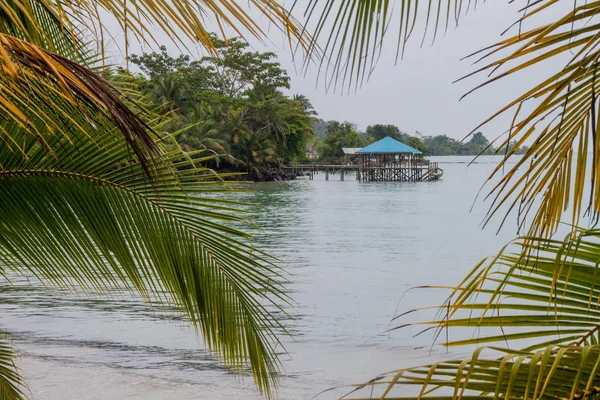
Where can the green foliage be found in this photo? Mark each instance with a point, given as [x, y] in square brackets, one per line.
[160, 64]
[88, 216]
[416, 143]
[553, 373]
[540, 296]
[443, 145]
[235, 70]
[336, 135]
[339, 135]
[12, 385]
[378, 132]
[230, 103]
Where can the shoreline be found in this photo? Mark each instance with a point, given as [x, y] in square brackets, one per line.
[63, 380]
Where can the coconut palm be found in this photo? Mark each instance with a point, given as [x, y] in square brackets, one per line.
[256, 150]
[306, 105]
[200, 130]
[236, 129]
[169, 91]
[88, 216]
[536, 303]
[94, 197]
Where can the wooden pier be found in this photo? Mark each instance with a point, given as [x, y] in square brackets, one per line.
[386, 160]
[328, 169]
[425, 171]
[389, 167]
[389, 160]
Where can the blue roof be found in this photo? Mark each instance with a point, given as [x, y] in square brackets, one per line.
[388, 145]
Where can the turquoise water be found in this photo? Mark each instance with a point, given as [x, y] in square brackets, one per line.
[352, 251]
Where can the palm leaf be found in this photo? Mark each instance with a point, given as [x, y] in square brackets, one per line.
[562, 125]
[43, 22]
[544, 298]
[541, 297]
[543, 292]
[39, 24]
[88, 217]
[551, 373]
[37, 21]
[12, 385]
[350, 34]
[42, 91]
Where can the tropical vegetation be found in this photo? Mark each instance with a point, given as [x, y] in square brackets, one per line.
[231, 104]
[96, 194]
[534, 306]
[331, 136]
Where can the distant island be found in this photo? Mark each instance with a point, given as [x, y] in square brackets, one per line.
[331, 136]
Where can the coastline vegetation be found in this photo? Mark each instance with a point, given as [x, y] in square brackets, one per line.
[96, 193]
[332, 136]
[231, 104]
[97, 196]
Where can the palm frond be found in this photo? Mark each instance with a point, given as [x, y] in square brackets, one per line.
[350, 34]
[39, 24]
[541, 296]
[551, 373]
[542, 292]
[87, 216]
[12, 385]
[140, 20]
[549, 179]
[42, 92]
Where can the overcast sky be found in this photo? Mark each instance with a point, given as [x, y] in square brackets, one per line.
[417, 93]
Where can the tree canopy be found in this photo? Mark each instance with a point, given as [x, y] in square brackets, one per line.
[232, 104]
[335, 135]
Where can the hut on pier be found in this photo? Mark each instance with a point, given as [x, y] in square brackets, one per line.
[391, 160]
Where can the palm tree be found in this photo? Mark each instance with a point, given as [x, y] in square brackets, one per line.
[169, 91]
[537, 302]
[306, 105]
[256, 150]
[270, 112]
[201, 131]
[93, 196]
[236, 129]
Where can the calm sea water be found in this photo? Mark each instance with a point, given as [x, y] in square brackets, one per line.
[352, 250]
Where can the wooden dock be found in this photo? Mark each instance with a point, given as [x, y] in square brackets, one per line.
[401, 172]
[329, 169]
[408, 172]
[386, 160]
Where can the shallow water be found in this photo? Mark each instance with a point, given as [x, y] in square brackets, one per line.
[352, 250]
